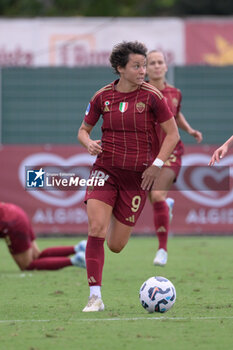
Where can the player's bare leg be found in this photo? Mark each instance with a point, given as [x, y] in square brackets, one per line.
[53, 258]
[118, 235]
[161, 212]
[24, 259]
[35, 250]
[99, 217]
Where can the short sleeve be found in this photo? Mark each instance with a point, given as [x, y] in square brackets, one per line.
[93, 111]
[161, 110]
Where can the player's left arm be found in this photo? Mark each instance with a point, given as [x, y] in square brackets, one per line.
[184, 125]
[170, 140]
[169, 143]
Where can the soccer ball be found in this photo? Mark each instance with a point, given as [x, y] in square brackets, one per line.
[157, 294]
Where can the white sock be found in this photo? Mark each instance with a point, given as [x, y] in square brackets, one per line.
[95, 290]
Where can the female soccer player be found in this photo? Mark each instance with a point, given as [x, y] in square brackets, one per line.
[221, 151]
[162, 206]
[17, 231]
[129, 108]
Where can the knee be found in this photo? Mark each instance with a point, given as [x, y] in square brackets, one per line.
[115, 248]
[24, 266]
[97, 229]
[157, 196]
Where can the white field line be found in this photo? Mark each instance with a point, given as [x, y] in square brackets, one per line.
[16, 275]
[127, 319]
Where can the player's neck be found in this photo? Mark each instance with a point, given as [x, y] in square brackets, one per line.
[158, 83]
[125, 86]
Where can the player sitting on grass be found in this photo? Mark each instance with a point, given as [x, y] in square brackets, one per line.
[17, 231]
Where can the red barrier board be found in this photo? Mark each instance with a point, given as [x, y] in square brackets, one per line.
[209, 41]
[196, 210]
[203, 197]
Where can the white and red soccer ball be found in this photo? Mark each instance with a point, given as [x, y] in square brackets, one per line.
[157, 294]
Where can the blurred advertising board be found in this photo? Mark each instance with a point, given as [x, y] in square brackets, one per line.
[79, 41]
[203, 195]
[209, 41]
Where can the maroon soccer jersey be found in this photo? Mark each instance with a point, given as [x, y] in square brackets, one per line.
[15, 227]
[173, 97]
[128, 122]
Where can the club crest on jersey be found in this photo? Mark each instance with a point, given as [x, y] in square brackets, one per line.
[106, 108]
[123, 106]
[140, 106]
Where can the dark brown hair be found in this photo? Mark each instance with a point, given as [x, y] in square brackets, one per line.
[120, 53]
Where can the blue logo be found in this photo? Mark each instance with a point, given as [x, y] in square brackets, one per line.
[88, 109]
[35, 178]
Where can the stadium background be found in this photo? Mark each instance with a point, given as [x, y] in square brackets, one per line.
[49, 70]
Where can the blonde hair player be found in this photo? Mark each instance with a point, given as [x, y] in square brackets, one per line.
[162, 206]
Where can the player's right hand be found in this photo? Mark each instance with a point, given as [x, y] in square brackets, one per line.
[94, 147]
[149, 176]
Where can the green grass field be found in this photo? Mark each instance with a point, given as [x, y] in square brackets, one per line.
[42, 310]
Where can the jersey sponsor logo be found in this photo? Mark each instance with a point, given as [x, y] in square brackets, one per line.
[123, 106]
[88, 109]
[140, 106]
[98, 174]
[130, 219]
[106, 106]
[35, 178]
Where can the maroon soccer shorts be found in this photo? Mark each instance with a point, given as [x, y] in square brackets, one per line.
[122, 190]
[174, 161]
